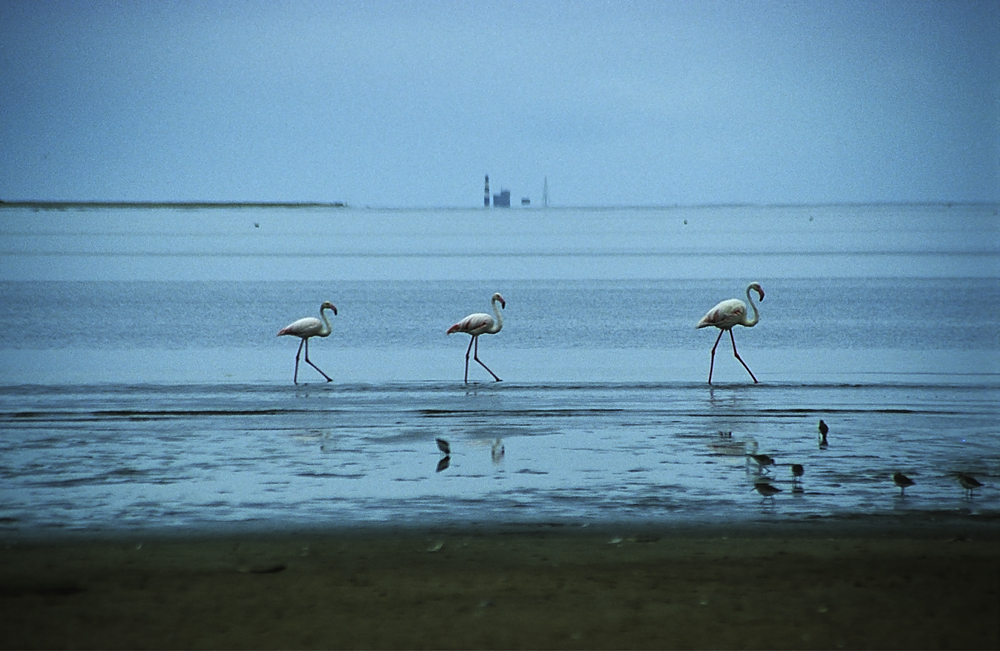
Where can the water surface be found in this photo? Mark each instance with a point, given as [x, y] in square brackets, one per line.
[143, 387]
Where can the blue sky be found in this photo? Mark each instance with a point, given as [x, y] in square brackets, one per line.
[410, 104]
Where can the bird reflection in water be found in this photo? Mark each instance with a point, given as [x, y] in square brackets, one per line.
[445, 448]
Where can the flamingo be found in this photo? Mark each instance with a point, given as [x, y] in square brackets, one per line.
[309, 327]
[480, 324]
[731, 313]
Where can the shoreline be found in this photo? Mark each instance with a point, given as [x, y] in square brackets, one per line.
[929, 524]
[510, 586]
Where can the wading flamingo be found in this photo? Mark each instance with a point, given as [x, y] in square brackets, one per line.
[480, 324]
[731, 313]
[309, 327]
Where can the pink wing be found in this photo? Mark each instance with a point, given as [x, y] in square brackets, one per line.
[473, 324]
[724, 315]
[307, 327]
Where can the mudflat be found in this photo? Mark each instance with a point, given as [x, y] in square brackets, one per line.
[519, 588]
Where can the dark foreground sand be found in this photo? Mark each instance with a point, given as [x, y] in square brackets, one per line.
[519, 588]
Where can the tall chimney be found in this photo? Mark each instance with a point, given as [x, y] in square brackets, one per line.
[486, 195]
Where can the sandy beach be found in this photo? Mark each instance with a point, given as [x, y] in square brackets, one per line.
[526, 587]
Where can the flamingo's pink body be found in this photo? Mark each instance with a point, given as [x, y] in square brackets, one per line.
[308, 327]
[480, 324]
[728, 314]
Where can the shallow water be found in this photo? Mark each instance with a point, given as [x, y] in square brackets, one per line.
[168, 404]
[111, 456]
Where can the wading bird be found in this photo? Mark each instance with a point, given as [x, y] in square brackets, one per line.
[823, 429]
[762, 460]
[480, 324]
[968, 482]
[306, 328]
[797, 471]
[766, 489]
[731, 313]
[902, 481]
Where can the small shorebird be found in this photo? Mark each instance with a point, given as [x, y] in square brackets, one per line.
[823, 429]
[902, 481]
[763, 461]
[443, 445]
[968, 482]
[766, 489]
[497, 451]
[797, 471]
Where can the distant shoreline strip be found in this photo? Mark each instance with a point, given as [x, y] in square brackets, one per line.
[195, 205]
[198, 205]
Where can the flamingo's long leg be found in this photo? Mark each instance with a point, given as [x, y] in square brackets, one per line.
[711, 366]
[295, 378]
[467, 351]
[328, 379]
[476, 357]
[740, 358]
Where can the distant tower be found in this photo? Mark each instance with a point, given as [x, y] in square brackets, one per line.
[486, 195]
[545, 193]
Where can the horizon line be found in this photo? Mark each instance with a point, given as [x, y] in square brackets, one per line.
[69, 204]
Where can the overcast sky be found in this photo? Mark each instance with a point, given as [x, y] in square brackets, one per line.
[410, 104]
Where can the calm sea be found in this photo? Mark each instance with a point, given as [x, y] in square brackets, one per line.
[142, 386]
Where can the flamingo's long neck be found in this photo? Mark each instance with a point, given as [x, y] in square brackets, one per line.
[756, 315]
[499, 315]
[326, 323]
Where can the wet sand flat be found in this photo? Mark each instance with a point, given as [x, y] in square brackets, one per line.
[529, 588]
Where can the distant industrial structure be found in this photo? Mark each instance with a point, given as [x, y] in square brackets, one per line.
[500, 199]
